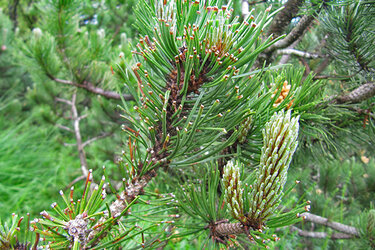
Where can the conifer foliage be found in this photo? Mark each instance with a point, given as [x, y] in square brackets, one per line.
[208, 138]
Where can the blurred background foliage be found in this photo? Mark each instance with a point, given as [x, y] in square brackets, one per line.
[334, 162]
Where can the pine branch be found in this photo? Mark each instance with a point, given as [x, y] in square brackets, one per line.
[358, 95]
[351, 41]
[296, 33]
[360, 111]
[132, 190]
[96, 90]
[225, 229]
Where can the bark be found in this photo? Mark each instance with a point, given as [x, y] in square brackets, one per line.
[283, 18]
[358, 95]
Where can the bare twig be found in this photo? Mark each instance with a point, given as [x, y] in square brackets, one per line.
[79, 178]
[93, 89]
[77, 133]
[334, 225]
[298, 53]
[70, 144]
[338, 77]
[321, 235]
[82, 117]
[95, 138]
[63, 101]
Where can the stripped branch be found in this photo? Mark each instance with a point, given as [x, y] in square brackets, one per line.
[321, 235]
[334, 225]
[93, 89]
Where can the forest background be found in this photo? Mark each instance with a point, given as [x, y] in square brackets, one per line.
[51, 135]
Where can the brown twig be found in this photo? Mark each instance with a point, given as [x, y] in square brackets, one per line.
[91, 140]
[93, 89]
[323, 65]
[79, 178]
